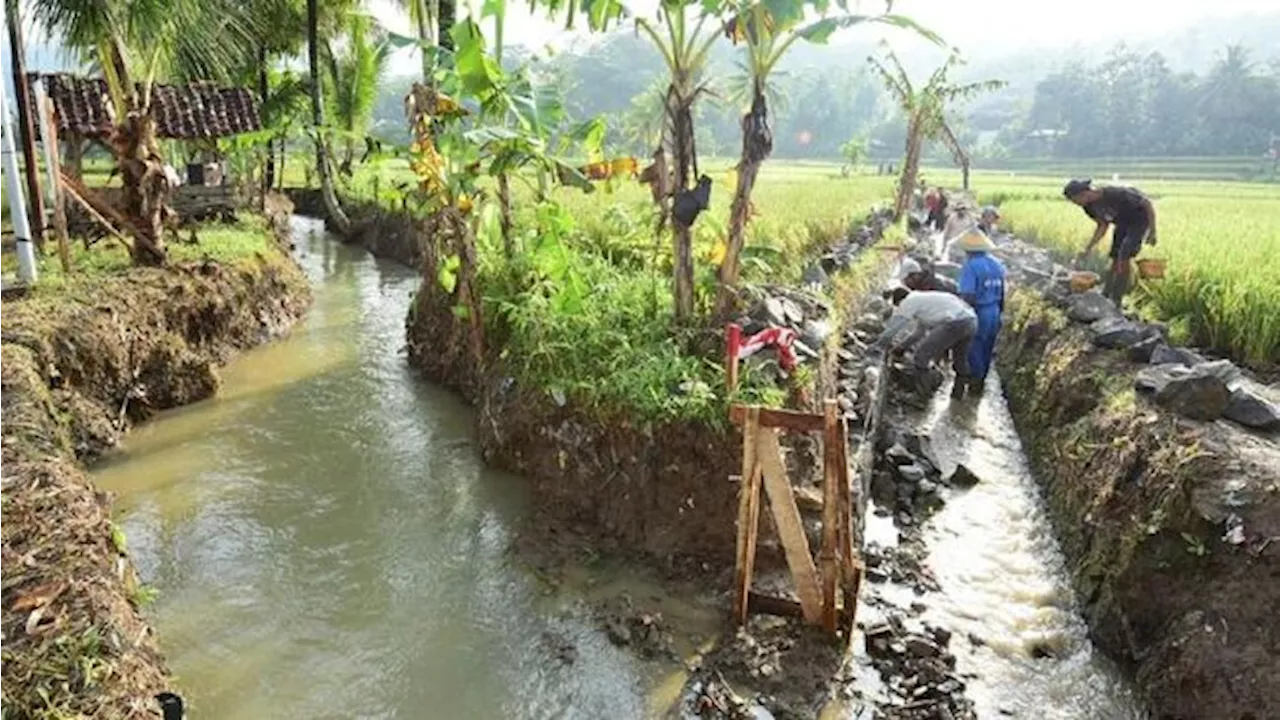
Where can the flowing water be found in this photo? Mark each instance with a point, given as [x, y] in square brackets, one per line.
[327, 544]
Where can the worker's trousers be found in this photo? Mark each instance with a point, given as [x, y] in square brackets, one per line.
[954, 337]
[983, 347]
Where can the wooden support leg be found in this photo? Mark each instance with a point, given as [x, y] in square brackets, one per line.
[786, 517]
[748, 515]
[831, 477]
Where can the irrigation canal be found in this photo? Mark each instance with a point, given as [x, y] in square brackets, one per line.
[326, 543]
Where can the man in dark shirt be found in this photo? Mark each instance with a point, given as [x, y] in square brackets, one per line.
[1134, 218]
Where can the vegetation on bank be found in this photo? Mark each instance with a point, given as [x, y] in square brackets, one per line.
[217, 241]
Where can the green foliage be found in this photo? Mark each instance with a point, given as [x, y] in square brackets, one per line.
[576, 324]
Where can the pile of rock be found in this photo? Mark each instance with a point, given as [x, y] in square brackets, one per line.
[902, 564]
[909, 477]
[776, 306]
[644, 632]
[1178, 379]
[918, 670]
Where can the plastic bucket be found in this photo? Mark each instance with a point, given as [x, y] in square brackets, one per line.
[1151, 268]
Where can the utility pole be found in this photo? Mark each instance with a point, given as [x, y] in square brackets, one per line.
[22, 91]
[17, 208]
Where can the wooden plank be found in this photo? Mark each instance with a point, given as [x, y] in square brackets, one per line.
[784, 419]
[786, 517]
[74, 188]
[831, 478]
[760, 603]
[54, 168]
[748, 516]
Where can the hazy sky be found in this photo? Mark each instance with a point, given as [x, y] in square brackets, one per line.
[979, 27]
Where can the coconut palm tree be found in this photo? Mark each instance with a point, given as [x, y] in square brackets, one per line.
[137, 43]
[352, 76]
[334, 209]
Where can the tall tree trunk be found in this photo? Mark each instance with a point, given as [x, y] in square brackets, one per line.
[446, 19]
[264, 92]
[336, 215]
[757, 144]
[424, 34]
[146, 189]
[681, 114]
[26, 130]
[910, 168]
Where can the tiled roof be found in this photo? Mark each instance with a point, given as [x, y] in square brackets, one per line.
[190, 112]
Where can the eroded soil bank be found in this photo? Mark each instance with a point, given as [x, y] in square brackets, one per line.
[1170, 526]
[80, 365]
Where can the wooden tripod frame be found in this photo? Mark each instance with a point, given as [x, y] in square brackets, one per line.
[838, 564]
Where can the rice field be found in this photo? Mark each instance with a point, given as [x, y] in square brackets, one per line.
[1221, 242]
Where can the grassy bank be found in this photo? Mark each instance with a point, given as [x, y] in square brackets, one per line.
[583, 310]
[84, 357]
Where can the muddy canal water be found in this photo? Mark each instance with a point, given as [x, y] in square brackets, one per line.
[327, 543]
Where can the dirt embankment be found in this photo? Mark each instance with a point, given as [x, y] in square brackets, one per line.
[385, 233]
[79, 366]
[1171, 526]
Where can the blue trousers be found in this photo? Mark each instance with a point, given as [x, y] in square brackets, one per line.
[983, 347]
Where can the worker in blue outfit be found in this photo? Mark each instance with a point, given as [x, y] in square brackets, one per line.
[982, 285]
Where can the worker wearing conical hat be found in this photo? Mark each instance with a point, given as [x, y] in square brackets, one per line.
[982, 285]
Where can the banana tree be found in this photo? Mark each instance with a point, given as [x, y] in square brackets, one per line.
[136, 43]
[685, 47]
[767, 30]
[925, 110]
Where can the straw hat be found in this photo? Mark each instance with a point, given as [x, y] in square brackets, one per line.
[975, 241]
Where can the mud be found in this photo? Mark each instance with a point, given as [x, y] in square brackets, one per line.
[80, 365]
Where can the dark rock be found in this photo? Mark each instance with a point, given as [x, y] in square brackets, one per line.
[1194, 393]
[926, 487]
[911, 473]
[815, 275]
[1143, 351]
[1115, 332]
[921, 446]
[1165, 355]
[922, 647]
[1090, 307]
[815, 333]
[1252, 411]
[963, 477]
[774, 311]
[899, 455]
[803, 350]
[617, 630]
[1224, 370]
[940, 635]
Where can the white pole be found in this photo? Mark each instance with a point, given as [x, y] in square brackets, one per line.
[17, 205]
